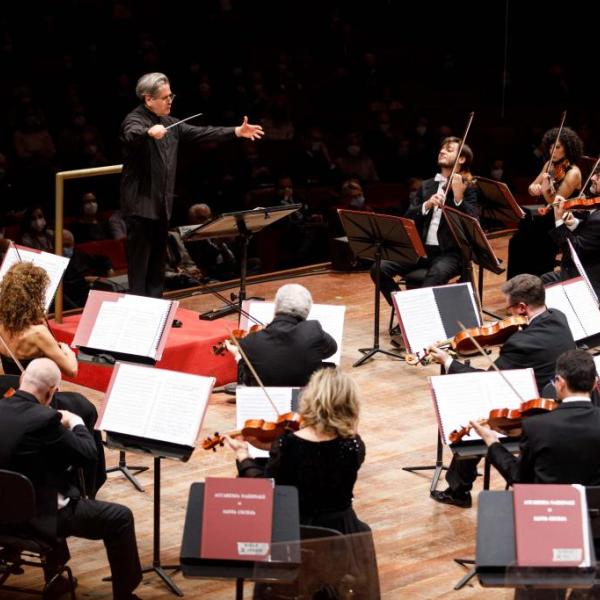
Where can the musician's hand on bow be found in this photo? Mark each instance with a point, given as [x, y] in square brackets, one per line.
[252, 132]
[240, 447]
[559, 207]
[485, 433]
[233, 349]
[458, 187]
[437, 355]
[157, 131]
[436, 201]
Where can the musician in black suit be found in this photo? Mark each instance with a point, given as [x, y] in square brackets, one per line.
[47, 445]
[148, 180]
[443, 257]
[536, 346]
[561, 446]
[583, 231]
[290, 348]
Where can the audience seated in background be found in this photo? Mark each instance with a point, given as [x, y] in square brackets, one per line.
[180, 270]
[117, 226]
[353, 162]
[87, 227]
[34, 230]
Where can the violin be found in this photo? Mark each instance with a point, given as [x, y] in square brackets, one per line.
[9, 393]
[508, 420]
[265, 432]
[493, 334]
[238, 334]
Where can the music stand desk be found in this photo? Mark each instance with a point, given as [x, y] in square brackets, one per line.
[495, 562]
[286, 528]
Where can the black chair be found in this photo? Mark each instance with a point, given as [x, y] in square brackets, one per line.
[18, 546]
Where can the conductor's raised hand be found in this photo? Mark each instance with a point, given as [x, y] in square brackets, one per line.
[246, 130]
[157, 131]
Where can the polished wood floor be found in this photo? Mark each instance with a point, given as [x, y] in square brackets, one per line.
[416, 539]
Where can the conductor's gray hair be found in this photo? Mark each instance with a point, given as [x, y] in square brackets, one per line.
[42, 373]
[293, 299]
[149, 84]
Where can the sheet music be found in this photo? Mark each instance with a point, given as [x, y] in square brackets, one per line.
[470, 396]
[597, 363]
[581, 270]
[132, 325]
[51, 263]
[156, 404]
[575, 300]
[330, 316]
[420, 316]
[251, 403]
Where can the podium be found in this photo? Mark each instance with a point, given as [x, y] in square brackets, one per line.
[285, 539]
[380, 237]
[242, 224]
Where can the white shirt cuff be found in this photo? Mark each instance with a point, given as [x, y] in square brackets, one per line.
[76, 420]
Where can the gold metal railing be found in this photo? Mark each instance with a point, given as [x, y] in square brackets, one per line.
[59, 220]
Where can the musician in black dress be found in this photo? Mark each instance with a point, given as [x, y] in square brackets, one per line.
[322, 460]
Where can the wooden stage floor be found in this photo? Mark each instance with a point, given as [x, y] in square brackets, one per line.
[416, 538]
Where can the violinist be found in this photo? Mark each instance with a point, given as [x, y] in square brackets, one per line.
[443, 260]
[560, 446]
[290, 348]
[531, 250]
[537, 346]
[322, 460]
[582, 228]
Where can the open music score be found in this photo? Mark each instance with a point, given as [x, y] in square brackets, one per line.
[462, 397]
[251, 403]
[429, 315]
[53, 264]
[125, 324]
[330, 316]
[155, 404]
[574, 298]
[581, 270]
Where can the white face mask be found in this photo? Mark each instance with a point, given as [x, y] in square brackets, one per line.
[357, 202]
[38, 224]
[353, 150]
[497, 173]
[90, 208]
[421, 130]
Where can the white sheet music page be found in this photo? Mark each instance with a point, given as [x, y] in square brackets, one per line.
[251, 403]
[597, 363]
[51, 263]
[581, 270]
[330, 316]
[132, 325]
[156, 404]
[462, 397]
[584, 305]
[420, 316]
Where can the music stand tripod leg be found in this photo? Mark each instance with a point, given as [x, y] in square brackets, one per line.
[239, 588]
[463, 562]
[437, 468]
[370, 352]
[128, 470]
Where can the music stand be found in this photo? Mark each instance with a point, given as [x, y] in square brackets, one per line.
[474, 247]
[242, 224]
[378, 237]
[497, 202]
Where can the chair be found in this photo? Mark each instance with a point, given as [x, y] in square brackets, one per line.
[19, 547]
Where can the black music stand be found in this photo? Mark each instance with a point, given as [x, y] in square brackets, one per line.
[242, 224]
[378, 237]
[497, 203]
[285, 543]
[158, 450]
[474, 247]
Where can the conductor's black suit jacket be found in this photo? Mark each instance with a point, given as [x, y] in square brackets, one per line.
[287, 352]
[561, 446]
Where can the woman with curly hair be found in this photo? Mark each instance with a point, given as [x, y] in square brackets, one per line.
[322, 460]
[531, 249]
[22, 328]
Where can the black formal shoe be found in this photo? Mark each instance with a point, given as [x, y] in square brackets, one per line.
[463, 500]
[58, 588]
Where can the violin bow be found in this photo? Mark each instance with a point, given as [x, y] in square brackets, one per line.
[460, 149]
[562, 124]
[11, 354]
[491, 362]
[254, 373]
[589, 177]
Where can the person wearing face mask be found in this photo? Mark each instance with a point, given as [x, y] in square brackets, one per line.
[443, 261]
[34, 231]
[148, 180]
[355, 163]
[88, 227]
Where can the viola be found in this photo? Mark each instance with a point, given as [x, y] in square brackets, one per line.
[508, 420]
[260, 430]
[581, 203]
[238, 334]
[493, 334]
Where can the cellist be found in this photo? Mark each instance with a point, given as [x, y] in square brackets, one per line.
[537, 346]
